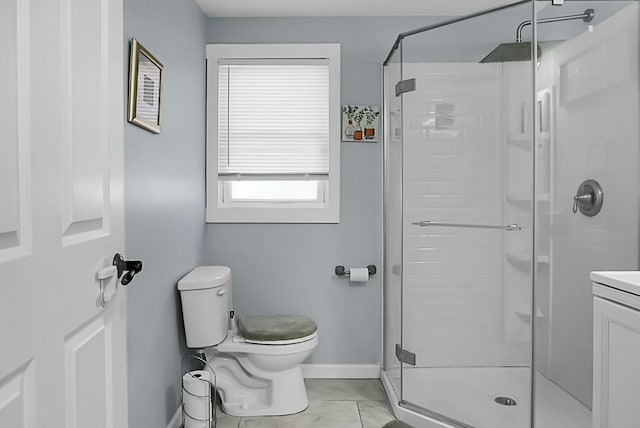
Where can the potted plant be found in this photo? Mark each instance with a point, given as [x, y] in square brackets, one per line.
[349, 130]
[370, 116]
[358, 116]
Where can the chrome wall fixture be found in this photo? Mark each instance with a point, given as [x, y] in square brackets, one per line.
[586, 16]
[589, 198]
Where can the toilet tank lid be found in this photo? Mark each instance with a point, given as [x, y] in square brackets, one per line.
[204, 277]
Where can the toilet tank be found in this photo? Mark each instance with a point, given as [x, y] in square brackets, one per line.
[205, 305]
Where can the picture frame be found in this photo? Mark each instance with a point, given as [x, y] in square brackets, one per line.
[360, 124]
[145, 88]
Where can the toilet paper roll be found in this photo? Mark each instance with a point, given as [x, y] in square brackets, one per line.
[359, 275]
[196, 399]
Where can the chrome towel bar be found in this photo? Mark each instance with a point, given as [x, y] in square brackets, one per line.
[508, 227]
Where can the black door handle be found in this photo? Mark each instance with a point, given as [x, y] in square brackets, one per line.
[127, 269]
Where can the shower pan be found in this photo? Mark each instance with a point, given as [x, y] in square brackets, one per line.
[487, 299]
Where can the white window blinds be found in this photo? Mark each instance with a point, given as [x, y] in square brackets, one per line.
[273, 117]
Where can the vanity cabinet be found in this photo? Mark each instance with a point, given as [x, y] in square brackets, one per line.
[616, 362]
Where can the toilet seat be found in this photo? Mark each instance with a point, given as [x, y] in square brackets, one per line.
[282, 342]
[275, 329]
[237, 344]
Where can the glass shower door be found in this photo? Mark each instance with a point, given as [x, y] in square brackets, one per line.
[467, 198]
[392, 222]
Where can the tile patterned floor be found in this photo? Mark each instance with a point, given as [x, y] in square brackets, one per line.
[333, 403]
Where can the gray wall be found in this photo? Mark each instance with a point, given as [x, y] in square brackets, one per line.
[288, 268]
[164, 204]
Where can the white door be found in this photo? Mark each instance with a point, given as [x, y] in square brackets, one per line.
[62, 355]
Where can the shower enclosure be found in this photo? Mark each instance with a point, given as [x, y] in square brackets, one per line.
[487, 298]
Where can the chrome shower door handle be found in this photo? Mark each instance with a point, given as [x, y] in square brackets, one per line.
[507, 227]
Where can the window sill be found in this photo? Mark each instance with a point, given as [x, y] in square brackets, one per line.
[273, 215]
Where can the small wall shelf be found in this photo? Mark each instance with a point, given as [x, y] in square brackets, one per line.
[523, 259]
[523, 142]
[522, 198]
[525, 314]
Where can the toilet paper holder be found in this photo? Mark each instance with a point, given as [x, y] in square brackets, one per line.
[212, 421]
[341, 271]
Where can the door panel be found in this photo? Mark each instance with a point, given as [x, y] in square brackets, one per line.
[85, 91]
[14, 130]
[88, 397]
[63, 358]
[17, 398]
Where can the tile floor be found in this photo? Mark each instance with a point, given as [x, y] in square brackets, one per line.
[333, 403]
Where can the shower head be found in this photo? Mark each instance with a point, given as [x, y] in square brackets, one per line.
[521, 51]
[510, 52]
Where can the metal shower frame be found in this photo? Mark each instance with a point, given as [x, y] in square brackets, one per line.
[406, 34]
[453, 423]
[587, 16]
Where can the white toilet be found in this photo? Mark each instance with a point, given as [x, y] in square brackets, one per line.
[257, 367]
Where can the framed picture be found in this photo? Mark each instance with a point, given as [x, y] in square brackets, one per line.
[145, 88]
[360, 123]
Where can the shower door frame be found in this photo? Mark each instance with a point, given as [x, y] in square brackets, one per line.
[435, 417]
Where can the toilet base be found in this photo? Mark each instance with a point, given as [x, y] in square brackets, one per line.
[247, 390]
[285, 394]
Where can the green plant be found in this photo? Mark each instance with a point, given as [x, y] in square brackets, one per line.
[370, 115]
[359, 114]
[349, 111]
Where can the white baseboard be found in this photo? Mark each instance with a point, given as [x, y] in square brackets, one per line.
[176, 420]
[341, 371]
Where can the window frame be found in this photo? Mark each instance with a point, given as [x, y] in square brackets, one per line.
[272, 212]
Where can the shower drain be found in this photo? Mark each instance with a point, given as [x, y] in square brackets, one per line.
[506, 401]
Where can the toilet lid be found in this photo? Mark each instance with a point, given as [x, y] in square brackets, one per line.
[271, 328]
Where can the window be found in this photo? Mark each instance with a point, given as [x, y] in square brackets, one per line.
[273, 133]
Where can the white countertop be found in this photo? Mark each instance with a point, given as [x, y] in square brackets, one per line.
[628, 281]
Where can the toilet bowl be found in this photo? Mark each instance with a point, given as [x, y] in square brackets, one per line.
[260, 379]
[256, 366]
